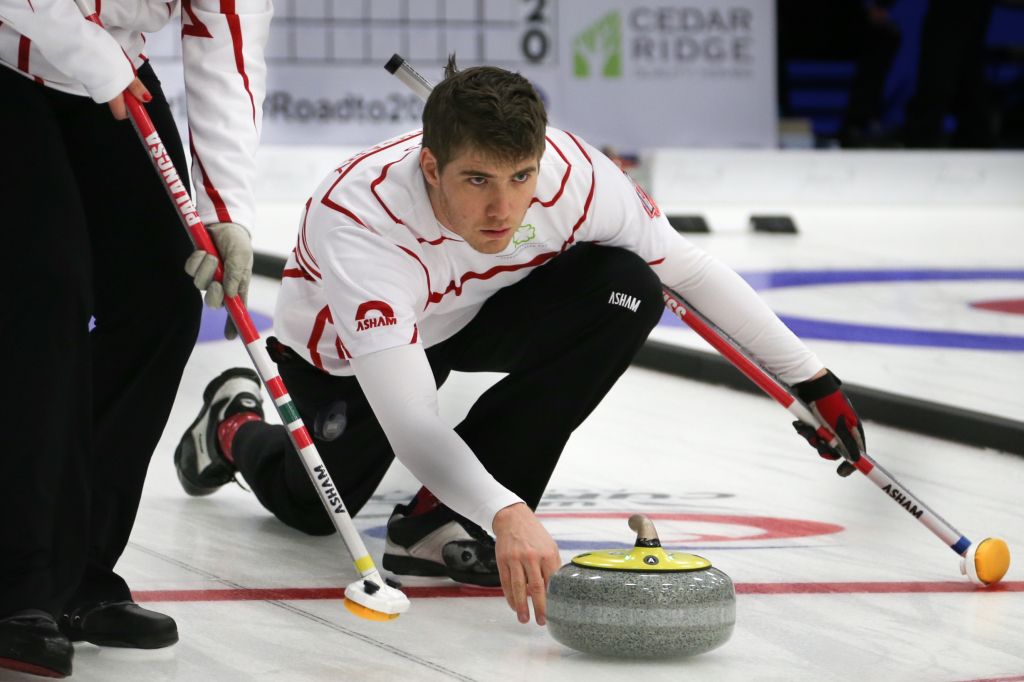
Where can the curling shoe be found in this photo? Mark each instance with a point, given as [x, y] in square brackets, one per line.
[200, 460]
[31, 643]
[439, 542]
[119, 624]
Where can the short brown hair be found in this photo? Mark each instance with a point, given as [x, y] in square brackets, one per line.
[490, 109]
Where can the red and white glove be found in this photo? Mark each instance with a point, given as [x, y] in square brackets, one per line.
[833, 408]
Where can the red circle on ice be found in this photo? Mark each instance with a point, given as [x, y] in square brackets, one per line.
[769, 528]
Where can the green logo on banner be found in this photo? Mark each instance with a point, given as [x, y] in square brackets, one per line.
[524, 234]
[598, 49]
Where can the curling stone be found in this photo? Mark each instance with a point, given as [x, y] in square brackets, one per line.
[641, 603]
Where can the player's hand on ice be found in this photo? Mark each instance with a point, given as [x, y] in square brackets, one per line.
[117, 106]
[832, 408]
[235, 247]
[527, 557]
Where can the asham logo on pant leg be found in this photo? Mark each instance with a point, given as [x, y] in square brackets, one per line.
[385, 315]
[667, 41]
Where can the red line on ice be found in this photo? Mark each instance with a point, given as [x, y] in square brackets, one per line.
[300, 593]
[1012, 306]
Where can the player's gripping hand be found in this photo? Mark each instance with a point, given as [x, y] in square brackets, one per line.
[828, 403]
[527, 557]
[235, 247]
[117, 105]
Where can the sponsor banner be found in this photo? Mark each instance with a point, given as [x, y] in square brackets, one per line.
[633, 74]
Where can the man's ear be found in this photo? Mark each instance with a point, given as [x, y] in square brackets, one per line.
[428, 163]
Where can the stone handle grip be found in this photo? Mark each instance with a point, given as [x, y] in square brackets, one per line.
[643, 527]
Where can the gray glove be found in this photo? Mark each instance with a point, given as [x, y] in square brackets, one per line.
[235, 247]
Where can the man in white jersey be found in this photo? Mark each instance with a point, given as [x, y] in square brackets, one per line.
[486, 242]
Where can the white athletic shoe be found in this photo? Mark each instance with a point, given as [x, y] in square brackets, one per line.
[202, 467]
[440, 543]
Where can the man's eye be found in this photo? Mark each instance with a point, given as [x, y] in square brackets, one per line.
[522, 177]
[477, 181]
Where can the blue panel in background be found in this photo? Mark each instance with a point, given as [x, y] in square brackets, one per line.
[212, 328]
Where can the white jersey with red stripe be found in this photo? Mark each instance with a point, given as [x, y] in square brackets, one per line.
[373, 268]
[51, 42]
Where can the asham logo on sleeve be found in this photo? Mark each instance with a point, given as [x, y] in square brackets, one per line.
[385, 315]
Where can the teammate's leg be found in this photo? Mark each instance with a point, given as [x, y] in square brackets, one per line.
[565, 334]
[346, 433]
[44, 317]
[147, 319]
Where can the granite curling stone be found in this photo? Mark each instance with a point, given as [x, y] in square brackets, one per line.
[641, 603]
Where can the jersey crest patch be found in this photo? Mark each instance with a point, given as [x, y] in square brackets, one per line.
[649, 205]
[384, 318]
[524, 234]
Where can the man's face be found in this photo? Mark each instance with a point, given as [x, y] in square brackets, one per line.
[481, 200]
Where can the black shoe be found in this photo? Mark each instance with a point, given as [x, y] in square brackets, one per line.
[31, 643]
[120, 624]
[440, 543]
[202, 467]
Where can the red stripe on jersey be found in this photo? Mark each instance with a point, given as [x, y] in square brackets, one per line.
[415, 334]
[343, 169]
[421, 240]
[430, 294]
[380, 179]
[655, 262]
[29, 6]
[565, 179]
[311, 277]
[322, 318]
[297, 273]
[304, 266]
[302, 236]
[235, 27]
[341, 209]
[23, 47]
[590, 196]
[195, 27]
[457, 288]
[345, 354]
[211, 191]
[352, 163]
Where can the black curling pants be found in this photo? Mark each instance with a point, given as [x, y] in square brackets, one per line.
[557, 335]
[88, 232]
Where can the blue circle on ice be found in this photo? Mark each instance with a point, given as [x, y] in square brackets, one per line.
[810, 328]
[212, 327]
